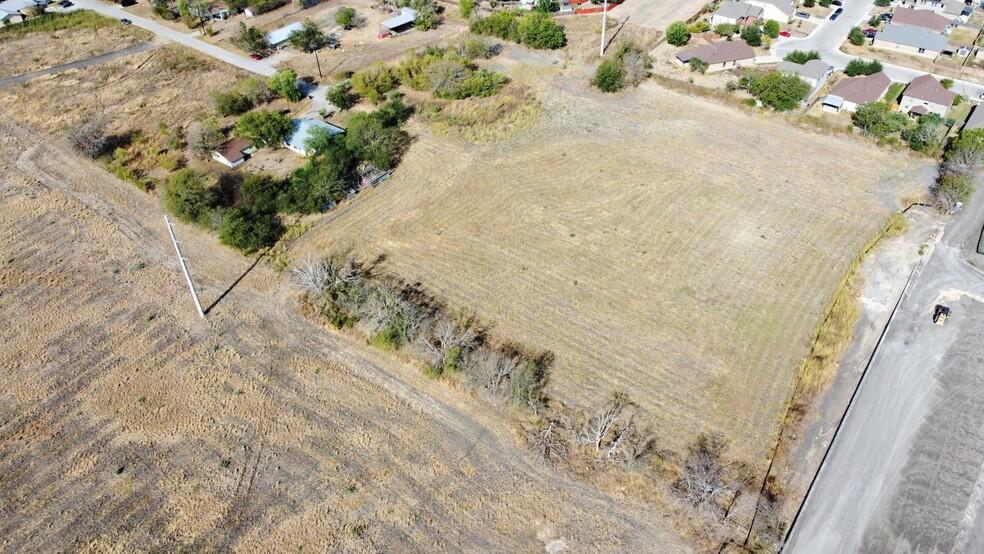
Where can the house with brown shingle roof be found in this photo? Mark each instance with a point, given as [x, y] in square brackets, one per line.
[926, 95]
[854, 91]
[921, 18]
[721, 55]
[233, 152]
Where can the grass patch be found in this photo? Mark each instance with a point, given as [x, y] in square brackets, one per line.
[893, 92]
[51, 22]
[488, 119]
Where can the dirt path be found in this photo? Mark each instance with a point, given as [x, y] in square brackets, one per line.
[252, 430]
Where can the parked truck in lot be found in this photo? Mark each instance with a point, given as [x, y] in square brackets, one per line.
[940, 314]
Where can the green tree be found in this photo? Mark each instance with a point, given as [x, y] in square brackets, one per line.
[678, 34]
[825, 3]
[427, 16]
[698, 65]
[205, 137]
[229, 103]
[801, 57]
[541, 31]
[186, 196]
[726, 29]
[374, 82]
[878, 120]
[946, 83]
[927, 135]
[883, 3]
[779, 91]
[249, 231]
[875, 21]
[284, 83]
[341, 95]
[250, 39]
[752, 35]
[809, 3]
[371, 140]
[466, 7]
[771, 28]
[546, 6]
[856, 36]
[255, 90]
[860, 67]
[610, 75]
[306, 39]
[162, 9]
[346, 17]
[184, 8]
[264, 128]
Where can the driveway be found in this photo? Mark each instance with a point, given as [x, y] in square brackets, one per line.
[102, 58]
[829, 35]
[906, 470]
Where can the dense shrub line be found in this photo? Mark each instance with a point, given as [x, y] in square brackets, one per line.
[536, 29]
[961, 165]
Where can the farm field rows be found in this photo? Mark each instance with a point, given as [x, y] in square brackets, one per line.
[676, 249]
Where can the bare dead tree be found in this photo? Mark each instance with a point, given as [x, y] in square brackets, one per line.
[597, 427]
[549, 442]
[88, 139]
[963, 160]
[445, 334]
[312, 275]
[490, 369]
[381, 308]
[704, 482]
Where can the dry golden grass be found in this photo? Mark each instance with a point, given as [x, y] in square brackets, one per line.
[680, 250]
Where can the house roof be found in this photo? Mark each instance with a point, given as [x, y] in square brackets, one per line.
[302, 132]
[861, 90]
[232, 149]
[739, 10]
[921, 18]
[917, 37]
[926, 87]
[813, 69]
[283, 33]
[719, 52]
[786, 6]
[976, 119]
[832, 100]
[407, 16]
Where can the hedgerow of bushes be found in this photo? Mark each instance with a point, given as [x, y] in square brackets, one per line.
[536, 30]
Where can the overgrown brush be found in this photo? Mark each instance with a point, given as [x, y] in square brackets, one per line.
[51, 22]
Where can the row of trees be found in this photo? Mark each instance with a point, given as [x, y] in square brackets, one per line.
[445, 72]
[961, 166]
[536, 29]
[253, 92]
[679, 33]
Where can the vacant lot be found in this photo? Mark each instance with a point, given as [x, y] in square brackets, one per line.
[676, 249]
[33, 51]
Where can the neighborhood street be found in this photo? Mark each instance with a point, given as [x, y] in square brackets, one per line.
[905, 471]
[829, 35]
[102, 58]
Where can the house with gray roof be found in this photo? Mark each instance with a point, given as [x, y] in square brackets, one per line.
[278, 39]
[854, 91]
[926, 95]
[913, 40]
[736, 13]
[720, 55]
[776, 10]
[813, 72]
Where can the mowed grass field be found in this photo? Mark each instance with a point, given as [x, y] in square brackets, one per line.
[656, 243]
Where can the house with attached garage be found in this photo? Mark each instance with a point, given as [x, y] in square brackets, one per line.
[913, 40]
[736, 13]
[813, 72]
[776, 10]
[720, 55]
[926, 95]
[953, 9]
[854, 91]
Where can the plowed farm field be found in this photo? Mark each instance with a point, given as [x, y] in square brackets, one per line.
[659, 244]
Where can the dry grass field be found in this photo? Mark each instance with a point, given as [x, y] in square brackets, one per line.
[129, 424]
[676, 249]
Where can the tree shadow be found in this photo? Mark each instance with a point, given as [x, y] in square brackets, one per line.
[236, 282]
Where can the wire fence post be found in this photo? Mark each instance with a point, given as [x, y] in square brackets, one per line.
[184, 268]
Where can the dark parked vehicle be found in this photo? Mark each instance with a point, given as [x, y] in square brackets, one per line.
[125, 21]
[837, 13]
[837, 3]
[870, 33]
[886, 17]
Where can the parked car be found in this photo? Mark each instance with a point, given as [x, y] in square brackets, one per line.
[870, 33]
[786, 34]
[125, 21]
[837, 3]
[886, 17]
[256, 56]
[65, 4]
[837, 13]
[802, 15]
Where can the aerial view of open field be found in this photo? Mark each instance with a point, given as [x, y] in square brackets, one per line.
[656, 243]
[420, 276]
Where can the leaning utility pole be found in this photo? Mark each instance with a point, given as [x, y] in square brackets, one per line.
[604, 20]
[184, 268]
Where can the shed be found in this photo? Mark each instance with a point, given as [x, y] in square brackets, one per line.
[398, 24]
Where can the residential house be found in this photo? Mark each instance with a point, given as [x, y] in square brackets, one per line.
[278, 39]
[976, 119]
[302, 131]
[854, 91]
[813, 72]
[926, 95]
[15, 11]
[909, 39]
[776, 10]
[10, 17]
[720, 55]
[953, 9]
[736, 13]
[233, 152]
[398, 23]
[921, 18]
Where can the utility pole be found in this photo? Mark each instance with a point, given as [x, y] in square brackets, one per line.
[184, 268]
[604, 20]
[319, 64]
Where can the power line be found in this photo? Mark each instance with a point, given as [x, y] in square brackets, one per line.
[184, 268]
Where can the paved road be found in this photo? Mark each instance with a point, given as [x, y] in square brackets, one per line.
[262, 67]
[102, 58]
[829, 35]
[906, 471]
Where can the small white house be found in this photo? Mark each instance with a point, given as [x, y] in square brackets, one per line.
[776, 10]
[303, 128]
[233, 152]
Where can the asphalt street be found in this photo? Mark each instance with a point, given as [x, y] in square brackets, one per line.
[829, 35]
[905, 471]
[103, 58]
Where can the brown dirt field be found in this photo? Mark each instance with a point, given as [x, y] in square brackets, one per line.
[31, 52]
[331, 446]
[674, 248]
